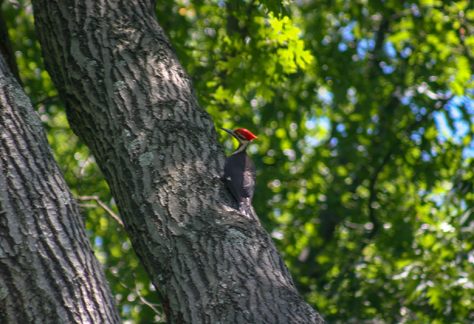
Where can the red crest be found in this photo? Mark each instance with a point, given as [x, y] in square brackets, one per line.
[245, 133]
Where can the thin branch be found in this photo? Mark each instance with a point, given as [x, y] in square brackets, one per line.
[146, 302]
[88, 205]
[140, 296]
[377, 52]
[104, 206]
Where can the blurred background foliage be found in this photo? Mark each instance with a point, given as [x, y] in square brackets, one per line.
[364, 111]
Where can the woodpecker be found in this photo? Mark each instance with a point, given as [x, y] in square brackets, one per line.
[239, 170]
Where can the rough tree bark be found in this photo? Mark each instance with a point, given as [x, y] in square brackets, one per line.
[131, 102]
[48, 272]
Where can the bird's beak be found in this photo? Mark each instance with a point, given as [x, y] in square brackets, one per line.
[228, 131]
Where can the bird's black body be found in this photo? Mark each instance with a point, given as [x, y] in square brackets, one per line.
[239, 175]
[239, 171]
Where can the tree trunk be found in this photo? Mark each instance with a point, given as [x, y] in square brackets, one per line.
[48, 272]
[131, 102]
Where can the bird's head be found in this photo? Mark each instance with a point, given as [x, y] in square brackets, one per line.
[243, 135]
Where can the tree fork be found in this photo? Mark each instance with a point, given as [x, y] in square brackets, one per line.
[132, 103]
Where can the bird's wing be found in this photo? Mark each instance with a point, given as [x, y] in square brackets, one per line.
[233, 171]
[248, 185]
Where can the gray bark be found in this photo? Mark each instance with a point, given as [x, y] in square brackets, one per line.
[131, 102]
[48, 273]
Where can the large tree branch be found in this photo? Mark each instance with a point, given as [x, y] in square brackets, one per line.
[48, 273]
[129, 99]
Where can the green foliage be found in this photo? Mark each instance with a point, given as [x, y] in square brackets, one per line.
[364, 113]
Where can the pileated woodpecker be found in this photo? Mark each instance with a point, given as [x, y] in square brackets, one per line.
[239, 171]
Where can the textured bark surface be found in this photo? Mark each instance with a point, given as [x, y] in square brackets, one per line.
[48, 272]
[129, 99]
